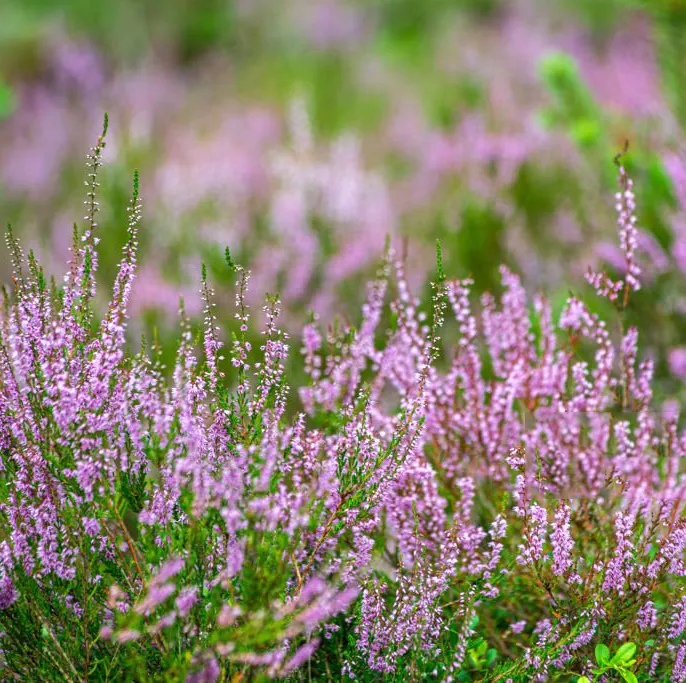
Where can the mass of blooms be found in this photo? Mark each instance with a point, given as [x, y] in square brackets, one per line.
[452, 489]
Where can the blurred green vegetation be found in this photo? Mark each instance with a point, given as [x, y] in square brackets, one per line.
[256, 54]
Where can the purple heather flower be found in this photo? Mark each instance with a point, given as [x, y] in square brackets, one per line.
[8, 593]
[518, 626]
[188, 597]
[561, 540]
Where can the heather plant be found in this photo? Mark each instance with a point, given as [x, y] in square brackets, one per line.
[151, 525]
[459, 490]
[658, 165]
[585, 452]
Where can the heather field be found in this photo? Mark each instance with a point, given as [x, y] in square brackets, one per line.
[348, 345]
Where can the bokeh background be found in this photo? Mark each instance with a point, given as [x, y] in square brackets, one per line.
[301, 133]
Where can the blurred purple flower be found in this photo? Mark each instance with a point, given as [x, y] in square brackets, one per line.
[677, 362]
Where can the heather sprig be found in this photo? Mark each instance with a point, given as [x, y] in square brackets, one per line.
[628, 241]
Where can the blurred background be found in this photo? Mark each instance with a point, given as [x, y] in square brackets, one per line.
[301, 133]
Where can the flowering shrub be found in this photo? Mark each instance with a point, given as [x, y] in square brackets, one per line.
[504, 506]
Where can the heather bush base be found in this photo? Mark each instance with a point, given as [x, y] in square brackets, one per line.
[501, 507]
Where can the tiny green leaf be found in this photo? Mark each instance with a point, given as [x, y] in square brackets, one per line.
[136, 184]
[439, 262]
[628, 676]
[624, 654]
[229, 259]
[8, 100]
[602, 654]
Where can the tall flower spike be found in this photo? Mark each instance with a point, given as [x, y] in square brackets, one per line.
[79, 281]
[628, 242]
[113, 324]
[89, 253]
[211, 342]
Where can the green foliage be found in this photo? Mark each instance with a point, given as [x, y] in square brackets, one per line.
[621, 662]
[7, 100]
[480, 659]
[573, 106]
